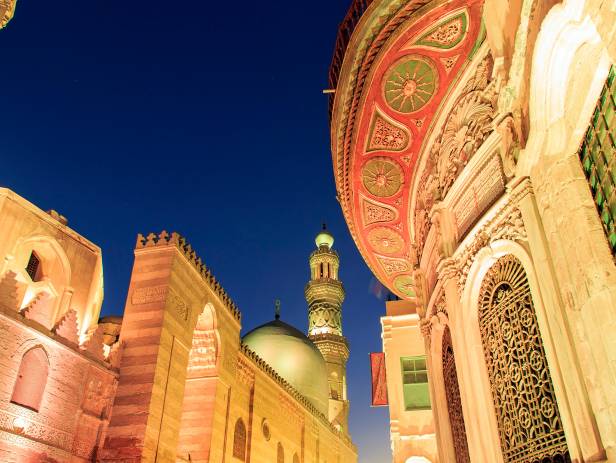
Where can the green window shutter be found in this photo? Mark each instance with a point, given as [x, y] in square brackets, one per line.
[415, 383]
[598, 157]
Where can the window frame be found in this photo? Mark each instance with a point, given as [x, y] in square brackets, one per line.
[414, 376]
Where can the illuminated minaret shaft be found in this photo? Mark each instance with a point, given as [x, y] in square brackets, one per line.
[324, 294]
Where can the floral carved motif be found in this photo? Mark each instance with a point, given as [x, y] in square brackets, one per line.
[410, 83]
[179, 306]
[382, 176]
[447, 34]
[392, 266]
[386, 135]
[449, 62]
[465, 129]
[385, 241]
[374, 212]
[405, 284]
[97, 395]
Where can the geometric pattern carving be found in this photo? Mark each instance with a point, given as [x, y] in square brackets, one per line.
[529, 422]
[454, 404]
[410, 83]
[386, 134]
[374, 212]
[382, 177]
[204, 353]
[324, 317]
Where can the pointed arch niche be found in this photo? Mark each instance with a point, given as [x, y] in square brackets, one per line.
[44, 270]
[200, 389]
[31, 379]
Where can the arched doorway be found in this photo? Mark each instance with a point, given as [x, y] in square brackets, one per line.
[454, 404]
[529, 423]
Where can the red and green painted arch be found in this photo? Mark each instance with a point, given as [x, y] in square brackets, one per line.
[402, 61]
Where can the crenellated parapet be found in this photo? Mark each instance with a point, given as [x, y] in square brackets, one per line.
[175, 239]
[36, 315]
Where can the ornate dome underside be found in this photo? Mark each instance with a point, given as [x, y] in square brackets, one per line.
[399, 68]
[294, 357]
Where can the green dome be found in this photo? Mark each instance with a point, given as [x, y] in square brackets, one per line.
[294, 357]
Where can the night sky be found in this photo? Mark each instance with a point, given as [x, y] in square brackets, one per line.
[205, 118]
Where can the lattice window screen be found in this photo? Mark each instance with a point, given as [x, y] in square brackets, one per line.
[530, 427]
[454, 404]
[33, 266]
[598, 157]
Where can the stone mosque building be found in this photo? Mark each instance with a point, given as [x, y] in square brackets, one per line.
[473, 146]
[171, 380]
[474, 154]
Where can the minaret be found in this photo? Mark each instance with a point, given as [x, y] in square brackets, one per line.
[324, 294]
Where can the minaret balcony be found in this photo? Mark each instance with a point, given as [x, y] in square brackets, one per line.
[326, 289]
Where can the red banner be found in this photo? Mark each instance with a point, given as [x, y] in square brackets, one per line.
[379, 381]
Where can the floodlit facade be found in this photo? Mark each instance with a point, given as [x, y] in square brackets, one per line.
[169, 381]
[473, 149]
[410, 410]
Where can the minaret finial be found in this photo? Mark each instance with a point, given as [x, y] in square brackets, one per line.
[324, 226]
[277, 309]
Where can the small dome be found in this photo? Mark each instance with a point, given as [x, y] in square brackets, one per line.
[294, 357]
[324, 238]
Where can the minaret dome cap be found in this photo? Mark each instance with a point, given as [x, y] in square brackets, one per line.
[324, 238]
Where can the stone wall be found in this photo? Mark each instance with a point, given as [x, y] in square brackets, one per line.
[76, 399]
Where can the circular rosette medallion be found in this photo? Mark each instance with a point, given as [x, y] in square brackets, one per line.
[385, 241]
[382, 176]
[406, 285]
[410, 83]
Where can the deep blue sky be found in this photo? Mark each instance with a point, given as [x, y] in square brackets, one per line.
[202, 117]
